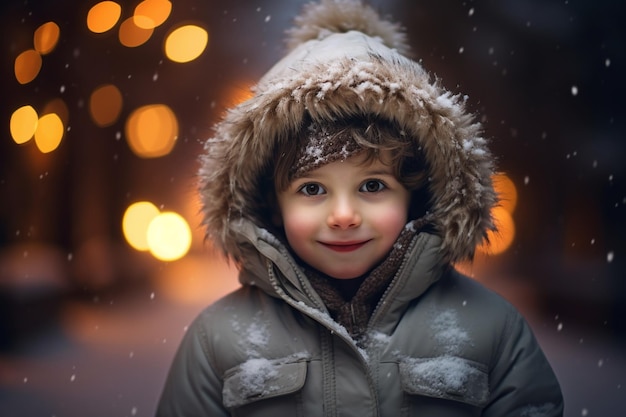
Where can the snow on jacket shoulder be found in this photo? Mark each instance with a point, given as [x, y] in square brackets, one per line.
[449, 347]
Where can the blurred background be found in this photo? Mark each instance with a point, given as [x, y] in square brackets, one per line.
[103, 112]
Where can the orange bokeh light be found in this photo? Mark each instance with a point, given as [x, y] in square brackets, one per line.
[507, 192]
[58, 107]
[105, 105]
[152, 131]
[186, 43]
[501, 240]
[27, 66]
[103, 16]
[46, 37]
[152, 13]
[131, 35]
[49, 132]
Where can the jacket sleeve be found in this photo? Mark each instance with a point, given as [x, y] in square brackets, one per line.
[522, 382]
[192, 387]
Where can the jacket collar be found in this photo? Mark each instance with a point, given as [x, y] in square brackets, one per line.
[422, 266]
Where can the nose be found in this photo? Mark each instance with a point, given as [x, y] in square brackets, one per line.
[343, 214]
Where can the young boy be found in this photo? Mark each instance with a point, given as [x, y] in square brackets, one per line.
[345, 189]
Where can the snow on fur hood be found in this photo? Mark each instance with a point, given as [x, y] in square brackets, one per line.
[345, 60]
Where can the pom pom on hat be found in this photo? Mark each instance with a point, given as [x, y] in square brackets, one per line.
[320, 20]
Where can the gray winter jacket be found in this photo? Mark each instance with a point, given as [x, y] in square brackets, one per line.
[438, 343]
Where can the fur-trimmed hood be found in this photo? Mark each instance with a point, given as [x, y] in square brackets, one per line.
[345, 60]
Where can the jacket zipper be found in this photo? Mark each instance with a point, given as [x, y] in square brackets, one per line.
[391, 287]
[302, 308]
[352, 314]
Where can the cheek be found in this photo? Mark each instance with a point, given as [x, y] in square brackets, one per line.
[391, 219]
[298, 226]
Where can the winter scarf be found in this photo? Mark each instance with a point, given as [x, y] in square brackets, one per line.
[355, 312]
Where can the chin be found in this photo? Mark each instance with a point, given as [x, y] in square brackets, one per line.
[345, 274]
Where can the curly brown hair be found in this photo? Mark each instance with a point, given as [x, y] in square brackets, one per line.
[373, 135]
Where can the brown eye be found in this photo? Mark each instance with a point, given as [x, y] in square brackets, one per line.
[311, 189]
[372, 186]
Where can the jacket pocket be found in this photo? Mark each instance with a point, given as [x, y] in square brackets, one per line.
[446, 377]
[259, 379]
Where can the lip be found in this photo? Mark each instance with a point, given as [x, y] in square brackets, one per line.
[344, 246]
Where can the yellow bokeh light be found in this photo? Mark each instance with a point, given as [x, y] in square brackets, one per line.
[507, 192]
[151, 131]
[131, 35]
[49, 132]
[46, 37]
[105, 105]
[169, 236]
[58, 107]
[103, 16]
[152, 13]
[23, 124]
[135, 222]
[27, 66]
[186, 43]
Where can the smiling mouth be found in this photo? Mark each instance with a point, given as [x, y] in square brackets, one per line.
[345, 247]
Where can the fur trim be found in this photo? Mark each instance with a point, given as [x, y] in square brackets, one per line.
[342, 75]
[319, 20]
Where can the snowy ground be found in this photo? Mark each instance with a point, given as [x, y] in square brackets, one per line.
[109, 357]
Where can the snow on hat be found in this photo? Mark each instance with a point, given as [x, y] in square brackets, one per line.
[322, 146]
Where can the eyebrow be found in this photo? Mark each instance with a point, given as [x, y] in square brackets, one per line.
[378, 171]
[367, 171]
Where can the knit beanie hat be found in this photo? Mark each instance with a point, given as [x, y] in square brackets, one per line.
[323, 145]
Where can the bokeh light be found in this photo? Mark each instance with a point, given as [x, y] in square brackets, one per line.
[186, 282]
[105, 105]
[151, 131]
[169, 236]
[507, 192]
[58, 107]
[27, 66]
[135, 222]
[131, 35]
[46, 37]
[23, 124]
[501, 240]
[502, 214]
[103, 16]
[49, 132]
[152, 13]
[239, 93]
[186, 43]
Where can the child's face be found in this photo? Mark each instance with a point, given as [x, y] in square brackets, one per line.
[343, 218]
